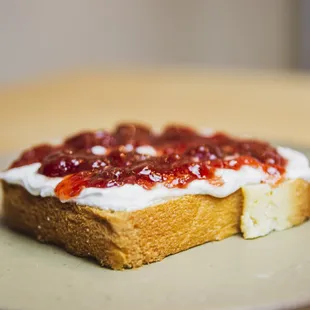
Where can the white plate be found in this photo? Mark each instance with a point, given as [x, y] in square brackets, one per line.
[268, 273]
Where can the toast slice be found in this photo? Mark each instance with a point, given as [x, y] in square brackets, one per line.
[130, 239]
[133, 196]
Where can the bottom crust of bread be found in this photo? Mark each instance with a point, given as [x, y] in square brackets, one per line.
[130, 239]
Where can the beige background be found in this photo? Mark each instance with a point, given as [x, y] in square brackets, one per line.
[42, 36]
[272, 106]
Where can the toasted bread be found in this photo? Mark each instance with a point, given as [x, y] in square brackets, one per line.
[119, 240]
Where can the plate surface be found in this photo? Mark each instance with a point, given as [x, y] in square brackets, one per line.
[267, 273]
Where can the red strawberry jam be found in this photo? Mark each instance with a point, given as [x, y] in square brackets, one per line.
[183, 155]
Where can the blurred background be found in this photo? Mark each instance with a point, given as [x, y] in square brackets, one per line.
[44, 36]
[70, 64]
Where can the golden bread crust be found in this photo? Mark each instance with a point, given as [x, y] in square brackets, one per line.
[130, 239]
[123, 239]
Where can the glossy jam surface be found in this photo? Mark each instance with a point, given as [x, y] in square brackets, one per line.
[182, 156]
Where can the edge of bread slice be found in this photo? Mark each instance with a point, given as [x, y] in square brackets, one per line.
[130, 239]
[267, 208]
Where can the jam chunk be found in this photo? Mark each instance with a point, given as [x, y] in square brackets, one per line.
[34, 155]
[88, 139]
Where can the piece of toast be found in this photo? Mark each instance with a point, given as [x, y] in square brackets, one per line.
[130, 239]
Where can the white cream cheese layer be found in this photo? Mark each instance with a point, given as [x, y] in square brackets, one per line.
[135, 197]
